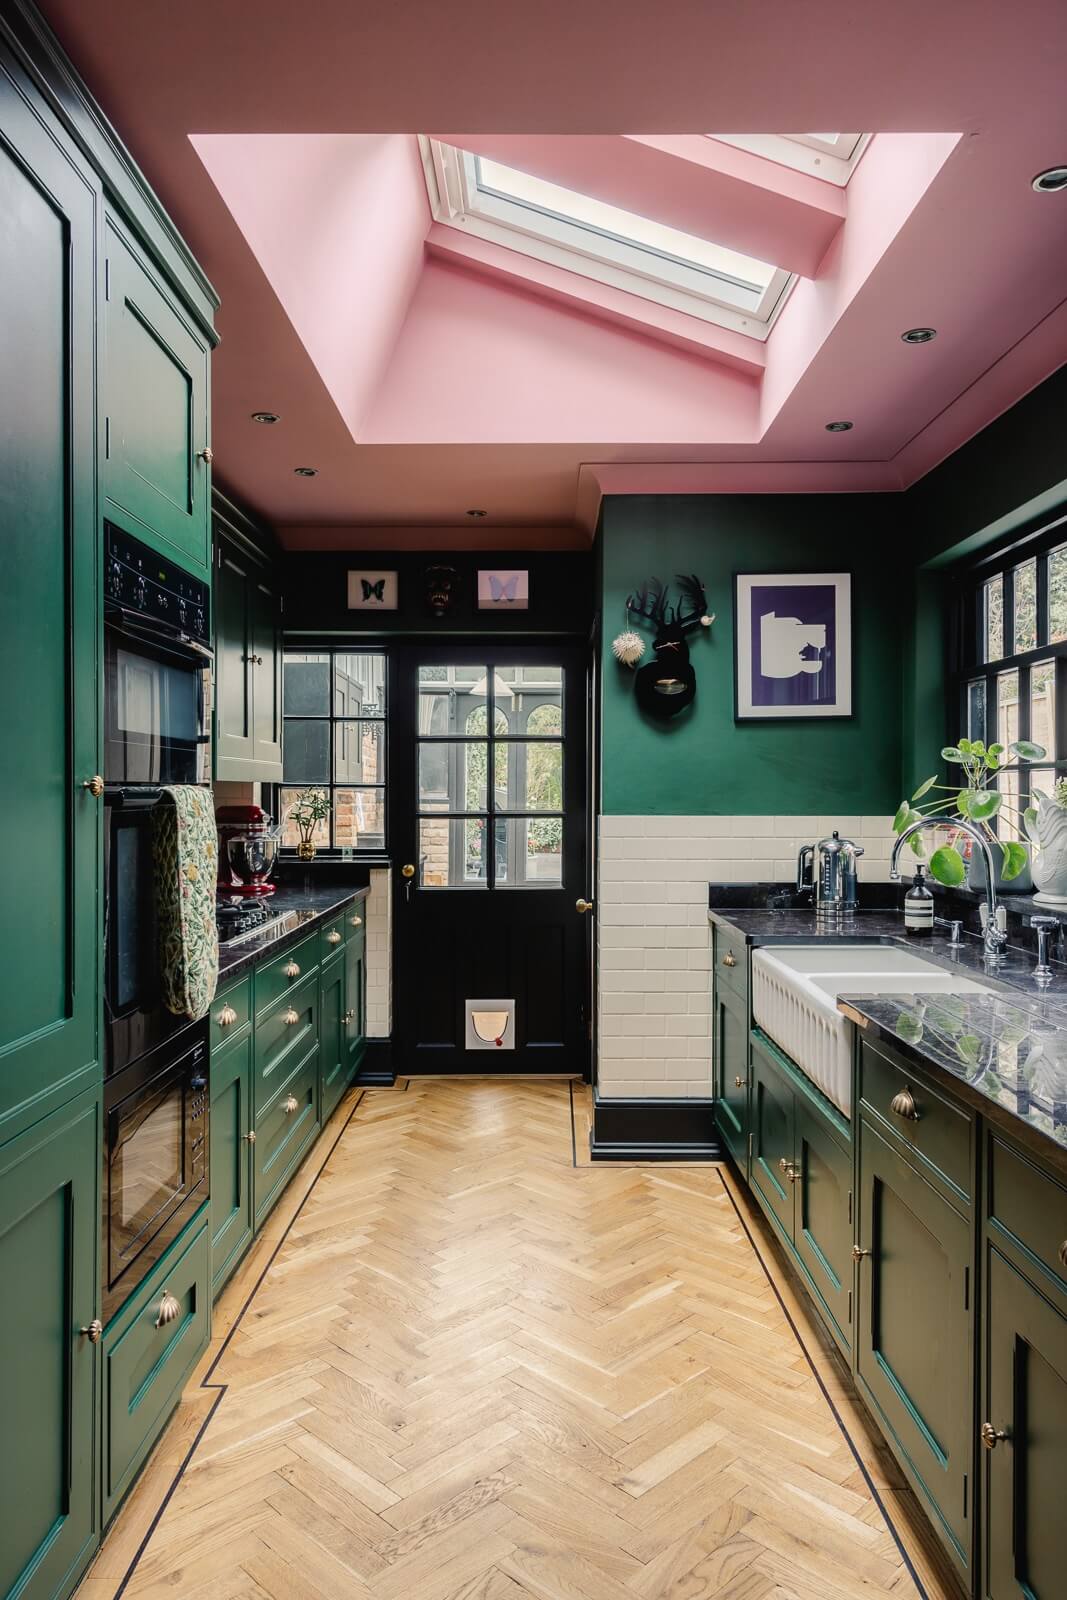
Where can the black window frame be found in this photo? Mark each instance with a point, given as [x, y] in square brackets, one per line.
[334, 851]
[968, 652]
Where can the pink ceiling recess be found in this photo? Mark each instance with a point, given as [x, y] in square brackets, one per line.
[424, 371]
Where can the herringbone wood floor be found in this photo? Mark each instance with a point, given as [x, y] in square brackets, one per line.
[476, 1371]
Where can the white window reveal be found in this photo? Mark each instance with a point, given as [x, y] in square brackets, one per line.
[829, 156]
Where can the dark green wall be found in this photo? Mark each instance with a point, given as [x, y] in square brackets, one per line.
[704, 762]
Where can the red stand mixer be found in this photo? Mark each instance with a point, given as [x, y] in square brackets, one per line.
[248, 845]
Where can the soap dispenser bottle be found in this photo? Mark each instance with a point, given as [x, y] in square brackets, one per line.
[919, 907]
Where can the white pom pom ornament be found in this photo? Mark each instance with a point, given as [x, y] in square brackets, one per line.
[628, 647]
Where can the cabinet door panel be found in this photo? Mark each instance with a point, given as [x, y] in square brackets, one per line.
[913, 1336]
[231, 1157]
[157, 483]
[823, 1224]
[49, 658]
[266, 681]
[355, 1002]
[772, 1137]
[233, 679]
[1026, 1397]
[333, 1040]
[731, 1064]
[49, 1225]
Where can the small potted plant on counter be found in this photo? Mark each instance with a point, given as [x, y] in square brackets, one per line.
[976, 799]
[310, 808]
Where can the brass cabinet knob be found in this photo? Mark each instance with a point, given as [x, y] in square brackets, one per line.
[93, 1331]
[739, 1083]
[226, 1017]
[95, 785]
[333, 937]
[250, 1136]
[904, 1105]
[407, 871]
[349, 1016]
[169, 1309]
[858, 1252]
[292, 970]
[791, 1172]
[290, 1104]
[729, 959]
[290, 1017]
[356, 922]
[1062, 1252]
[582, 906]
[991, 1436]
[206, 454]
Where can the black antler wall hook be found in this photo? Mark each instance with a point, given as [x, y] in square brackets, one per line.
[668, 684]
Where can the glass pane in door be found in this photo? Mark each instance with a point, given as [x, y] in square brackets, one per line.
[534, 692]
[448, 697]
[529, 852]
[453, 775]
[528, 776]
[452, 853]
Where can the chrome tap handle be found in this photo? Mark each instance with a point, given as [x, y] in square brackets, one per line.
[954, 926]
[1044, 927]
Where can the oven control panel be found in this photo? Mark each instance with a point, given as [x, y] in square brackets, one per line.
[139, 579]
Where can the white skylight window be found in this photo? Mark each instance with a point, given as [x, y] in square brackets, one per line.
[602, 241]
[829, 156]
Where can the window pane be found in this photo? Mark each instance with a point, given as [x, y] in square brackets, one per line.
[1008, 825]
[478, 720]
[447, 696]
[1026, 606]
[359, 684]
[1057, 595]
[359, 752]
[306, 685]
[305, 751]
[993, 618]
[1007, 707]
[452, 776]
[529, 776]
[529, 852]
[1043, 706]
[290, 831]
[1042, 780]
[359, 819]
[452, 853]
[976, 709]
[525, 692]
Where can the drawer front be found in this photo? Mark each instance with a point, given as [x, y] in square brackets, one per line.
[730, 960]
[285, 1130]
[145, 1366]
[284, 1034]
[938, 1133]
[1030, 1206]
[231, 1012]
[274, 979]
[356, 919]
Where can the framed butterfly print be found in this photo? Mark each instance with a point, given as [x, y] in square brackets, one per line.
[372, 591]
[503, 591]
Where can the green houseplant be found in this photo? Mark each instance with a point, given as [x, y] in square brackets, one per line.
[310, 807]
[976, 799]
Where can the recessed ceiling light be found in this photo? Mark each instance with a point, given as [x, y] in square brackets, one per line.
[838, 427]
[306, 472]
[265, 416]
[1051, 181]
[919, 335]
[475, 512]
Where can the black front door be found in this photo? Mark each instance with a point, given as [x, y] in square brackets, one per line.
[488, 833]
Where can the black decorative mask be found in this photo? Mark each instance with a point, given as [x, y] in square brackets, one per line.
[441, 586]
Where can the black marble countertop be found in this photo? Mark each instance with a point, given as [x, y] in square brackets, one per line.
[312, 903]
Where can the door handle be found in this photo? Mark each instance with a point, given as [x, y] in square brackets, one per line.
[407, 872]
[583, 906]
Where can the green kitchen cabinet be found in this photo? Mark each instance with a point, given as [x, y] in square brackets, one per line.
[156, 470]
[50, 975]
[1023, 1433]
[355, 1018]
[232, 1207]
[914, 1341]
[731, 1050]
[773, 1136]
[248, 664]
[49, 1232]
[333, 1033]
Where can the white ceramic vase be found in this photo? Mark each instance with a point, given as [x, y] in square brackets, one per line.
[1049, 834]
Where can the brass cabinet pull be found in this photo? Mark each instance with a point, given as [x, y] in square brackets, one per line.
[95, 785]
[290, 1104]
[333, 937]
[858, 1252]
[349, 1016]
[407, 871]
[791, 1171]
[169, 1309]
[250, 1136]
[739, 1083]
[290, 1017]
[292, 970]
[1062, 1252]
[357, 922]
[93, 1331]
[582, 906]
[729, 959]
[904, 1105]
[991, 1436]
[206, 454]
[226, 1017]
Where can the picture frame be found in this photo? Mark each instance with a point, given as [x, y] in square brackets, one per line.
[372, 591]
[792, 645]
[503, 590]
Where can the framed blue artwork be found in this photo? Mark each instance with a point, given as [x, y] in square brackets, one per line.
[792, 645]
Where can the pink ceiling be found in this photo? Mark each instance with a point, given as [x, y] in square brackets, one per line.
[424, 372]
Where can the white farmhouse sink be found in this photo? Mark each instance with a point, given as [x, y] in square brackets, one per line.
[794, 1001]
